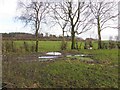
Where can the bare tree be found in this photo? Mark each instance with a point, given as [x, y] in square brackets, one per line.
[59, 16]
[33, 13]
[73, 16]
[103, 12]
[79, 19]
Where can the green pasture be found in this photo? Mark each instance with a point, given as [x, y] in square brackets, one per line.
[45, 46]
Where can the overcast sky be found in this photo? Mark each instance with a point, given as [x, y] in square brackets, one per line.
[9, 24]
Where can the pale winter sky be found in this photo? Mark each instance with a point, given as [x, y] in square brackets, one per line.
[8, 23]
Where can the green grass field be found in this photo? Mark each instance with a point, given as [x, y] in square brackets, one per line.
[64, 72]
[46, 46]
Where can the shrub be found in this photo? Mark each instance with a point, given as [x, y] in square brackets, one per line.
[63, 45]
[118, 45]
[26, 47]
[8, 46]
[105, 45]
[32, 49]
[85, 46]
[112, 45]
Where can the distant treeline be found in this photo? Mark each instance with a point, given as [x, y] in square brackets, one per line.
[28, 36]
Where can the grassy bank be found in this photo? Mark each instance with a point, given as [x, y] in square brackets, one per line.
[65, 72]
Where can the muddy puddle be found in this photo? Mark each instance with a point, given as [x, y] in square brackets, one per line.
[49, 56]
[56, 55]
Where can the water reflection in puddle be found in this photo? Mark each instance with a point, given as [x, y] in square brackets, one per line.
[79, 55]
[54, 55]
[50, 56]
[47, 57]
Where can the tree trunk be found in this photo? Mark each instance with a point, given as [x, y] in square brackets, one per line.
[36, 47]
[99, 41]
[73, 38]
[99, 34]
[63, 36]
